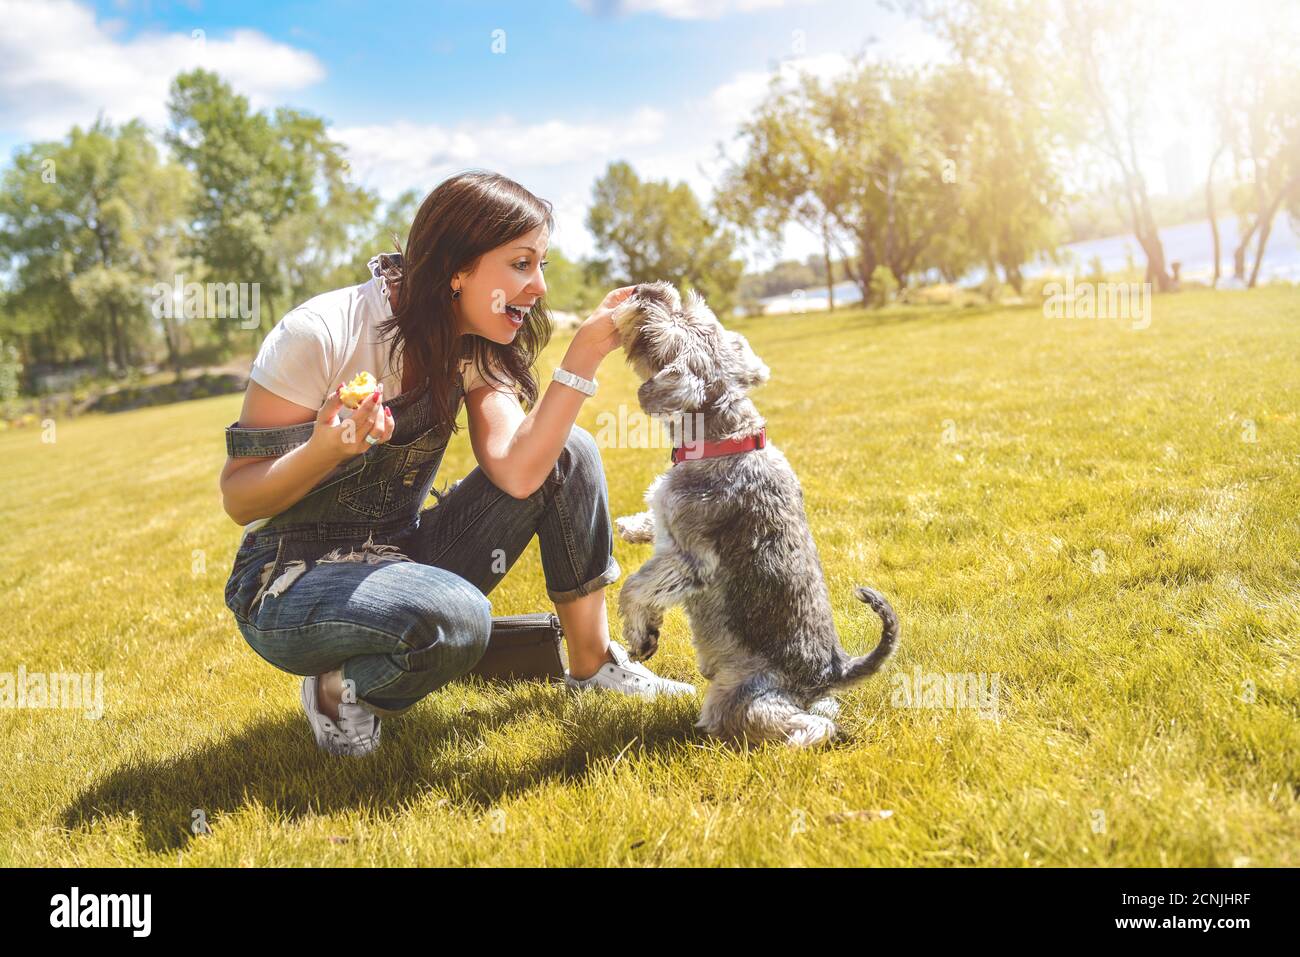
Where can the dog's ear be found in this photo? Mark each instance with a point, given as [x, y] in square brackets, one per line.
[753, 371]
[674, 388]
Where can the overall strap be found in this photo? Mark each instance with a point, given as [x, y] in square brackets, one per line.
[242, 441]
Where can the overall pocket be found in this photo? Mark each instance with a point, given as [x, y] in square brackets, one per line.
[394, 476]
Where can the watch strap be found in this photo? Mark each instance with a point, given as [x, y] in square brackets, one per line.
[572, 380]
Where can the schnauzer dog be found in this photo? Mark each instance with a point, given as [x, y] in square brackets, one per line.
[731, 539]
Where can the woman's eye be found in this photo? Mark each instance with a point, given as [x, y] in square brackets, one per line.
[545, 263]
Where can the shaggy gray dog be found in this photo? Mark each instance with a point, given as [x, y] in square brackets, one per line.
[731, 540]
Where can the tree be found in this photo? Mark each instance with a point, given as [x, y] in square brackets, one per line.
[1001, 159]
[1265, 138]
[785, 176]
[652, 230]
[1089, 59]
[849, 162]
[891, 162]
[88, 224]
[274, 205]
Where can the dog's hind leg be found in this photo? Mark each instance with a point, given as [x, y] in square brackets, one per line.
[638, 528]
[756, 711]
[827, 707]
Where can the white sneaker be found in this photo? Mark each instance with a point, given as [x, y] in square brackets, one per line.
[355, 734]
[628, 676]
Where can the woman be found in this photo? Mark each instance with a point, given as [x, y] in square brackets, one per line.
[340, 576]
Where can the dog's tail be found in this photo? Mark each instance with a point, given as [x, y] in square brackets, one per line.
[864, 666]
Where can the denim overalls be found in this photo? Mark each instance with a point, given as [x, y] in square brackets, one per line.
[375, 498]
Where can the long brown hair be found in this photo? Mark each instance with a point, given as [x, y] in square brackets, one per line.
[464, 217]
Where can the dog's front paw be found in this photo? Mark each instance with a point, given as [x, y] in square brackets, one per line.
[642, 638]
[639, 528]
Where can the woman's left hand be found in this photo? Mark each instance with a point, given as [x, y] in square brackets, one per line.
[599, 328]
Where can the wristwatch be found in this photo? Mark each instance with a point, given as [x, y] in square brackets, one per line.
[574, 381]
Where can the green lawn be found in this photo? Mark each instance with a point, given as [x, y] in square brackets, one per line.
[1072, 506]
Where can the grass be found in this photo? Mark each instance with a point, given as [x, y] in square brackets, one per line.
[1073, 506]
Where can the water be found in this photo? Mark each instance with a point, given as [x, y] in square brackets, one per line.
[1189, 244]
[811, 300]
[1192, 245]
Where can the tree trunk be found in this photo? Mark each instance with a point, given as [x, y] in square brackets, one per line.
[1014, 277]
[119, 346]
[104, 359]
[1239, 254]
[172, 339]
[866, 268]
[830, 272]
[1214, 221]
[1266, 225]
[1259, 251]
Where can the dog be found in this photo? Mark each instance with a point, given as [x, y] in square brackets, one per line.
[732, 543]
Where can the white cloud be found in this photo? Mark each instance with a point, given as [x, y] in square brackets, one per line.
[736, 99]
[683, 9]
[62, 67]
[392, 157]
[556, 159]
[559, 160]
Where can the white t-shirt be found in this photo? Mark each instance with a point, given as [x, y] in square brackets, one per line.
[329, 339]
[326, 341]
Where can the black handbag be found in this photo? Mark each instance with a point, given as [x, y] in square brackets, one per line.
[523, 647]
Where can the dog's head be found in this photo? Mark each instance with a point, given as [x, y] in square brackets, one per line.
[687, 360]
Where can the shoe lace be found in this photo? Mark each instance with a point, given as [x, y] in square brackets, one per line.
[645, 673]
[357, 725]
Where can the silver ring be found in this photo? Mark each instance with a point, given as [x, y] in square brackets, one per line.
[372, 440]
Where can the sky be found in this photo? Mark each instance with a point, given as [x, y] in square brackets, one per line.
[548, 92]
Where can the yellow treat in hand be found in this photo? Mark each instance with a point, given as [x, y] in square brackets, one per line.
[358, 390]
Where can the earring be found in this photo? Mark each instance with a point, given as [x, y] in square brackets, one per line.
[455, 294]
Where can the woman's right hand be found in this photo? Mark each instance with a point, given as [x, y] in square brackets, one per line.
[344, 439]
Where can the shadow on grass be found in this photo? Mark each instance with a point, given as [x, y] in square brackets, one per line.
[275, 764]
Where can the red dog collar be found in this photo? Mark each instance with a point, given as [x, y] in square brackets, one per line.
[705, 450]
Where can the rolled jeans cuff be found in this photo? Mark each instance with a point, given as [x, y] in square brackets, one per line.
[607, 577]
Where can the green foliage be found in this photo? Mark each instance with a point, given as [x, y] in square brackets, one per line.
[883, 286]
[911, 169]
[88, 222]
[647, 231]
[275, 206]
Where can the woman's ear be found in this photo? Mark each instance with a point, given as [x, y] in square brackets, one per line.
[752, 370]
[674, 388]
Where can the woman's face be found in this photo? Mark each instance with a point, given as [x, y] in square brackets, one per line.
[507, 282]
